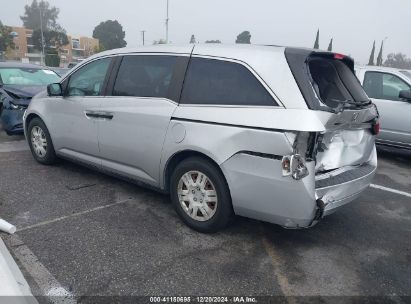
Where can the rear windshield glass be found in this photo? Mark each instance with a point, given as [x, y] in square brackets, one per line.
[335, 83]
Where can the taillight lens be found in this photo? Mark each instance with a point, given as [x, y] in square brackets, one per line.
[339, 56]
[376, 128]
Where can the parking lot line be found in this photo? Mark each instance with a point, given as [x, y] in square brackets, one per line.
[73, 215]
[391, 190]
[48, 284]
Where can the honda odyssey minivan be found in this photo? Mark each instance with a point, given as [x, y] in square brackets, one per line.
[282, 135]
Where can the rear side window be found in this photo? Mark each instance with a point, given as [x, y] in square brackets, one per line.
[211, 81]
[335, 83]
[144, 76]
[384, 85]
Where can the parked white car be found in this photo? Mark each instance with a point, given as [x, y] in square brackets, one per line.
[390, 90]
[283, 135]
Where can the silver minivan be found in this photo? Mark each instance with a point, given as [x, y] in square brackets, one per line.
[283, 135]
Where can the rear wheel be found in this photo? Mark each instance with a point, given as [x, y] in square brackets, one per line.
[200, 195]
[40, 142]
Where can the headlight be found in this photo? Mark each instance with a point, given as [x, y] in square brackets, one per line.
[17, 107]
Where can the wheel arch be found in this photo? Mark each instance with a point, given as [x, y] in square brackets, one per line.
[180, 156]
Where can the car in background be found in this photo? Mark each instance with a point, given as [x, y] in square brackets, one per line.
[390, 90]
[59, 71]
[278, 134]
[19, 82]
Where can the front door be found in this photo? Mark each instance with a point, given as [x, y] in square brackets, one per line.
[75, 128]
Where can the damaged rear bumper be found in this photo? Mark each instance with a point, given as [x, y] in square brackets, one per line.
[336, 189]
[257, 192]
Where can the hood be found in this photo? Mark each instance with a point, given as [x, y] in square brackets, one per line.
[22, 94]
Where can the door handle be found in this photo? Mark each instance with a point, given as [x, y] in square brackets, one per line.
[101, 115]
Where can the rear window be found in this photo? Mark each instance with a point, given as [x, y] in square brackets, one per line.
[335, 83]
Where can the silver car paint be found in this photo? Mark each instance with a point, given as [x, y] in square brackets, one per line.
[227, 135]
[394, 115]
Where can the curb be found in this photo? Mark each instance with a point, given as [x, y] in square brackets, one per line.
[13, 284]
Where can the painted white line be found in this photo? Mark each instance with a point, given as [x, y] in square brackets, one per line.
[45, 280]
[73, 215]
[391, 190]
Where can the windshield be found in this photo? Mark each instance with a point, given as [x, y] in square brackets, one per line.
[335, 83]
[27, 76]
[406, 73]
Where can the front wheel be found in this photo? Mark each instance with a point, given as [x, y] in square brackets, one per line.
[40, 142]
[200, 195]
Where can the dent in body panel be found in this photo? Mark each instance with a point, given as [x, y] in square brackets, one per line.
[259, 191]
[221, 142]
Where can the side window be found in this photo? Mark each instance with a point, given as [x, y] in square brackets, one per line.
[144, 76]
[384, 85]
[211, 81]
[88, 80]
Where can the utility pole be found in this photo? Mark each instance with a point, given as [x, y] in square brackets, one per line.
[167, 19]
[42, 36]
[142, 32]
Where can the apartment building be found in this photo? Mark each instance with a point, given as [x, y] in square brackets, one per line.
[76, 50]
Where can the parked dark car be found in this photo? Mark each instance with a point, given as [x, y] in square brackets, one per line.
[19, 82]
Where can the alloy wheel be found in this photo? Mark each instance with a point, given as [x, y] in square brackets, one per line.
[197, 195]
[39, 141]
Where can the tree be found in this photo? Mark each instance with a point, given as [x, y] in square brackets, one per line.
[330, 46]
[244, 38]
[213, 41]
[317, 40]
[110, 34]
[371, 60]
[49, 15]
[193, 39]
[398, 60]
[54, 40]
[6, 40]
[379, 58]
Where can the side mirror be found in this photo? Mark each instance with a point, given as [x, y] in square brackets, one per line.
[405, 95]
[54, 89]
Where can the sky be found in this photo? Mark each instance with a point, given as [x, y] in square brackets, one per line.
[354, 24]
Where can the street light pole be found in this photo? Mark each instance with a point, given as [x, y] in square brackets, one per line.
[142, 32]
[42, 36]
[167, 19]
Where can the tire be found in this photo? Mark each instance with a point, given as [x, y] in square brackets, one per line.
[38, 134]
[194, 197]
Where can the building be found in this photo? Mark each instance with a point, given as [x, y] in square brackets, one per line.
[76, 50]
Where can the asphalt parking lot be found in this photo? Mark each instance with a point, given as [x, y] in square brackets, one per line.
[83, 233]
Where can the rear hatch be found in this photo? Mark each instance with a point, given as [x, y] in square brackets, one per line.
[329, 86]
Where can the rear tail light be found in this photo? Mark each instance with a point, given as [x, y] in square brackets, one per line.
[376, 128]
[339, 56]
[294, 165]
